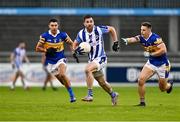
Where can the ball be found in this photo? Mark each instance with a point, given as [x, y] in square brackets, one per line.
[86, 46]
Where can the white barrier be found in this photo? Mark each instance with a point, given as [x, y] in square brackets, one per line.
[35, 75]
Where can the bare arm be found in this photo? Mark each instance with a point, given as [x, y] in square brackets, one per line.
[40, 45]
[70, 42]
[133, 40]
[12, 58]
[75, 44]
[161, 50]
[26, 58]
[113, 33]
[43, 58]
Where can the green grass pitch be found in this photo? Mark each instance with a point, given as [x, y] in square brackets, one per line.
[39, 105]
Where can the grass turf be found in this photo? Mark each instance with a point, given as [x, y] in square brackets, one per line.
[36, 104]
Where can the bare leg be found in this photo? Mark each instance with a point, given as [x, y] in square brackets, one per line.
[91, 67]
[22, 79]
[46, 81]
[14, 81]
[163, 84]
[145, 74]
[106, 86]
[65, 81]
[62, 77]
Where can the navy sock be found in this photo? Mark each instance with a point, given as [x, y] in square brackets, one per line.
[112, 94]
[90, 92]
[71, 94]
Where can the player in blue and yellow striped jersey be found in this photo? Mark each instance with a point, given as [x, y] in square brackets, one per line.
[155, 51]
[52, 44]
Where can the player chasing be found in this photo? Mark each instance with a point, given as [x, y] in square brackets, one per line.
[49, 76]
[155, 51]
[17, 58]
[52, 44]
[97, 57]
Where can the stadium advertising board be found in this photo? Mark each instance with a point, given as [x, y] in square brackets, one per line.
[128, 73]
[116, 73]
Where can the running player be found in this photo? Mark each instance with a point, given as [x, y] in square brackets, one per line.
[97, 57]
[158, 63]
[17, 58]
[52, 44]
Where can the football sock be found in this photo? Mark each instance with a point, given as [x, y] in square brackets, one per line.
[112, 94]
[70, 92]
[90, 92]
[142, 100]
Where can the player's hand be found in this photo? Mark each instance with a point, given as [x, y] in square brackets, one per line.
[115, 46]
[146, 54]
[51, 51]
[79, 51]
[75, 57]
[125, 41]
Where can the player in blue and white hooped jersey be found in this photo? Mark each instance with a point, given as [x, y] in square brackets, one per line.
[52, 44]
[17, 58]
[155, 51]
[97, 56]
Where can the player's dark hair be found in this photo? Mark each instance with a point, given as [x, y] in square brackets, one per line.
[53, 20]
[87, 16]
[147, 24]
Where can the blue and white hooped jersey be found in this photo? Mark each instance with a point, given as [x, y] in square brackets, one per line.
[95, 39]
[56, 42]
[19, 56]
[151, 44]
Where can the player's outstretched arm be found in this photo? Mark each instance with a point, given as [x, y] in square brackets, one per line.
[130, 40]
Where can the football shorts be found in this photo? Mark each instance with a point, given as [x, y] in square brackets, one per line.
[162, 71]
[53, 68]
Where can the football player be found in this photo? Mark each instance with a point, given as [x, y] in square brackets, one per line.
[158, 63]
[17, 58]
[52, 44]
[97, 56]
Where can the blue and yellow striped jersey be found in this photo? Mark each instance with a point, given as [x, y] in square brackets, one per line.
[151, 45]
[57, 42]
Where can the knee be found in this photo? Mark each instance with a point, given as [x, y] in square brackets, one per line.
[141, 81]
[62, 75]
[87, 71]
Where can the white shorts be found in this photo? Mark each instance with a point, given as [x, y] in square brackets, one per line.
[100, 62]
[18, 68]
[162, 71]
[53, 68]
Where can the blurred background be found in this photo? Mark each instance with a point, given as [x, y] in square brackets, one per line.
[25, 20]
[18, 24]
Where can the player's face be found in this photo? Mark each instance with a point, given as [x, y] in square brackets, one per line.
[53, 26]
[89, 23]
[22, 45]
[145, 31]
